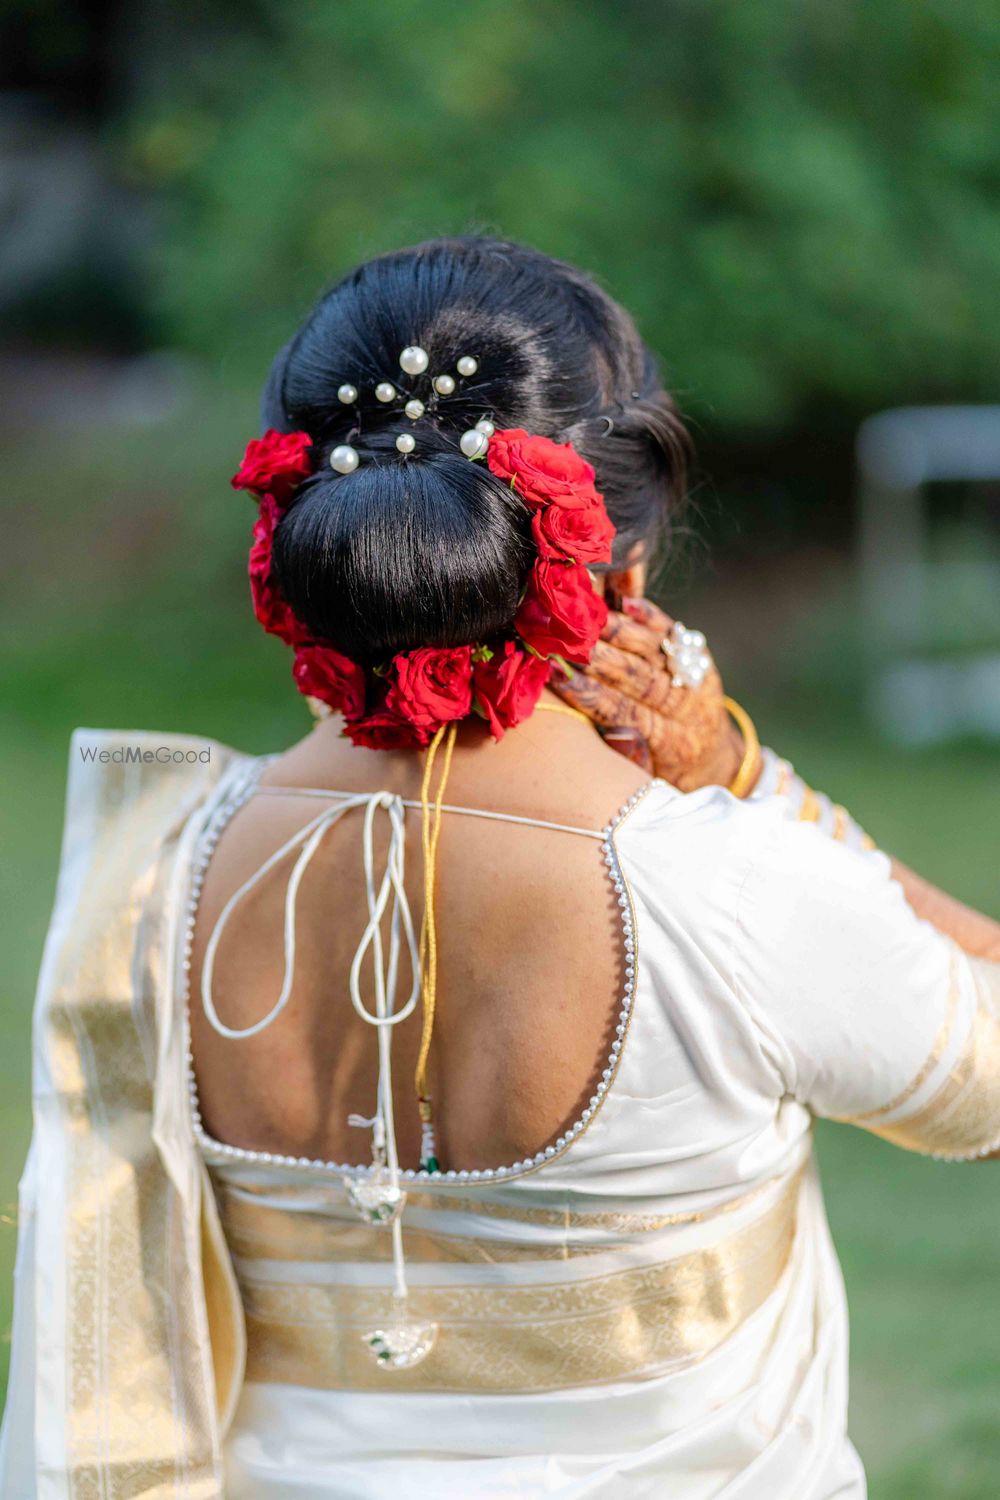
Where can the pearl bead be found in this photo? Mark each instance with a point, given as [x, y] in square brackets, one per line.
[444, 384]
[414, 409]
[385, 391]
[473, 443]
[347, 393]
[344, 458]
[406, 442]
[413, 359]
[486, 426]
[467, 365]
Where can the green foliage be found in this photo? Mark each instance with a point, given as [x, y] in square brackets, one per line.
[798, 198]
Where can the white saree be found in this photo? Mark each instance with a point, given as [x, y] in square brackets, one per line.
[652, 1307]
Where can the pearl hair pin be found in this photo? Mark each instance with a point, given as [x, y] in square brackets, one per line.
[474, 443]
[413, 360]
[344, 458]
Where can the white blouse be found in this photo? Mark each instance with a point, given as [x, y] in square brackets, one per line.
[650, 1306]
[664, 1312]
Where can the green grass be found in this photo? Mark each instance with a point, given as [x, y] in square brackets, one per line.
[125, 606]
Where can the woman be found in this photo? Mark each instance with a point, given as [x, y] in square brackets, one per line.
[406, 1117]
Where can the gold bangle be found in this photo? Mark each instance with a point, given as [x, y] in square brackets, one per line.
[749, 769]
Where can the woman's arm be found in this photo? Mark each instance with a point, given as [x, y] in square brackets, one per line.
[686, 736]
[871, 1016]
[976, 934]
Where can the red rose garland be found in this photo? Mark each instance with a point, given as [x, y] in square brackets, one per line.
[275, 464]
[269, 607]
[321, 672]
[543, 472]
[508, 684]
[559, 616]
[430, 687]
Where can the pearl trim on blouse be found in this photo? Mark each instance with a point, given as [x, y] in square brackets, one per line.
[237, 797]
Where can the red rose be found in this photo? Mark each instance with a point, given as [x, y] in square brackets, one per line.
[385, 731]
[541, 470]
[583, 534]
[276, 463]
[268, 605]
[508, 686]
[430, 687]
[560, 614]
[321, 672]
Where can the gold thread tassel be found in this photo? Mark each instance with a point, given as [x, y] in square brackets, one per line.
[430, 830]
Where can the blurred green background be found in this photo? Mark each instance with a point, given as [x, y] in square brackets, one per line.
[800, 202]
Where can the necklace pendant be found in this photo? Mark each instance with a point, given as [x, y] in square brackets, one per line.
[401, 1342]
[374, 1198]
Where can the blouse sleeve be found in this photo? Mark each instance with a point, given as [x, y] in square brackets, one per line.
[867, 1013]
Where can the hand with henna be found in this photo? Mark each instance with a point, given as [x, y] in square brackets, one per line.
[682, 734]
[685, 735]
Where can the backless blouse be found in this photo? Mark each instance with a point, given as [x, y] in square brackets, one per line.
[650, 1306]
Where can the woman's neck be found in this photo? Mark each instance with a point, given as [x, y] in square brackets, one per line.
[548, 766]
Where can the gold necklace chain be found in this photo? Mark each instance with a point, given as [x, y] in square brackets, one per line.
[563, 708]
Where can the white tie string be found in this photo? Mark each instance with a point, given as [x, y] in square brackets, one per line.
[385, 1016]
[310, 837]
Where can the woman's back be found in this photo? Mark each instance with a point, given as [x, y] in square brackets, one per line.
[530, 967]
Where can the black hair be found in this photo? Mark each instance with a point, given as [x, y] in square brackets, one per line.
[428, 548]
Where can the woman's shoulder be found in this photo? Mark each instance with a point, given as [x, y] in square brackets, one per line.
[663, 818]
[690, 848]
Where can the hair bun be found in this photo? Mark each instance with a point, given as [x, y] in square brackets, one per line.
[427, 551]
[428, 548]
